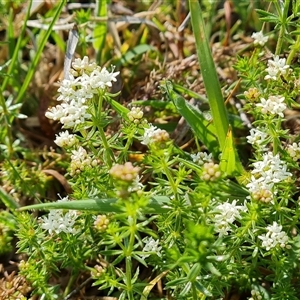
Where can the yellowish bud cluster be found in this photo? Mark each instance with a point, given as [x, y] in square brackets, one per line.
[211, 171]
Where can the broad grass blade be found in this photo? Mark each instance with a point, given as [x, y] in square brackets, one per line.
[203, 129]
[157, 205]
[209, 74]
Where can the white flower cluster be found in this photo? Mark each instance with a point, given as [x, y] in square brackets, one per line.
[201, 157]
[274, 105]
[227, 213]
[294, 151]
[76, 91]
[80, 160]
[266, 173]
[275, 236]
[259, 38]
[153, 135]
[151, 245]
[276, 67]
[81, 66]
[57, 221]
[65, 139]
[257, 138]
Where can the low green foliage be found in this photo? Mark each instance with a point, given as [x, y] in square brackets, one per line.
[140, 209]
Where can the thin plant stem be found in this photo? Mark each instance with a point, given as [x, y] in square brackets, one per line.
[169, 176]
[283, 17]
[295, 49]
[109, 157]
[70, 283]
[129, 249]
[7, 126]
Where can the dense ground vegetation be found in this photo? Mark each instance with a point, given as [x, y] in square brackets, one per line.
[157, 161]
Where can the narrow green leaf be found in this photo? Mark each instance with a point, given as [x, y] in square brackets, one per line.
[267, 16]
[157, 205]
[130, 55]
[100, 30]
[119, 108]
[183, 90]
[194, 272]
[44, 38]
[186, 289]
[230, 163]
[209, 74]
[202, 128]
[157, 104]
[8, 201]
[202, 289]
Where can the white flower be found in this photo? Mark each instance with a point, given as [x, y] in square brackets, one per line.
[274, 105]
[136, 185]
[270, 170]
[57, 221]
[257, 137]
[154, 134]
[227, 213]
[81, 66]
[265, 175]
[279, 63]
[275, 236]
[65, 139]
[294, 151]
[276, 67]
[107, 77]
[55, 113]
[151, 245]
[261, 191]
[259, 38]
[67, 89]
[79, 161]
[69, 114]
[201, 157]
[75, 93]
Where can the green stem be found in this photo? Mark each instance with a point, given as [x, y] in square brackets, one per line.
[7, 126]
[169, 176]
[108, 151]
[194, 292]
[129, 141]
[70, 283]
[283, 17]
[109, 156]
[128, 262]
[128, 278]
[295, 49]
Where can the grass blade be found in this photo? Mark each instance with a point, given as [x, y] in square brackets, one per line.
[230, 163]
[202, 128]
[100, 30]
[42, 44]
[210, 77]
[157, 204]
